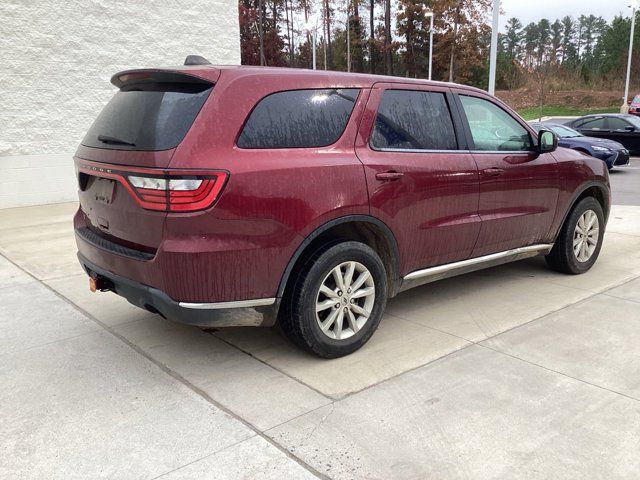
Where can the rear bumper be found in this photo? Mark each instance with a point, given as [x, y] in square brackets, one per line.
[259, 312]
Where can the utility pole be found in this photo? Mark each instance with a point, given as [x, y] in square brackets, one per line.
[493, 55]
[430, 15]
[634, 7]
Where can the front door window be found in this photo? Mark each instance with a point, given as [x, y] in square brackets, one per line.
[493, 129]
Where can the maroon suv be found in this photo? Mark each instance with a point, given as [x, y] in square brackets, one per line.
[220, 196]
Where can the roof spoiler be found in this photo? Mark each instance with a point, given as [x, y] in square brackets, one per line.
[196, 60]
[148, 75]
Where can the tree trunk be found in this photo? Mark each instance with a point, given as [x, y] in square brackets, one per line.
[275, 16]
[305, 8]
[261, 31]
[453, 42]
[387, 37]
[371, 37]
[359, 60]
[329, 53]
[289, 31]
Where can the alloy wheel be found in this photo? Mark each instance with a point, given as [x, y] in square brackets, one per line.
[586, 235]
[345, 300]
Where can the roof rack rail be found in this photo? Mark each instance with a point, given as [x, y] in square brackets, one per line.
[196, 60]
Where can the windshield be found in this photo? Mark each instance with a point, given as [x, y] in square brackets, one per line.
[147, 117]
[564, 132]
[636, 100]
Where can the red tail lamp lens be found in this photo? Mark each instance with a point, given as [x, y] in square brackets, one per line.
[177, 193]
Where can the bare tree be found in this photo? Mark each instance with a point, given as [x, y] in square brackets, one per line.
[372, 46]
[387, 37]
[456, 22]
[261, 31]
[289, 30]
[328, 51]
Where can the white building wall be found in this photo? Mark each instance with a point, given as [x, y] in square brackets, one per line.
[56, 59]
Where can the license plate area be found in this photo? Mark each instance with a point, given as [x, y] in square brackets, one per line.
[103, 189]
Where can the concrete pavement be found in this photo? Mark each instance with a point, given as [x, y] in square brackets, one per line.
[512, 372]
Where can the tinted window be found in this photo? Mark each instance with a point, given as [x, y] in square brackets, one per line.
[414, 120]
[492, 128]
[298, 118]
[149, 117]
[614, 123]
[593, 123]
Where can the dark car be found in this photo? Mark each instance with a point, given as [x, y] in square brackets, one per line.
[610, 152]
[222, 196]
[624, 129]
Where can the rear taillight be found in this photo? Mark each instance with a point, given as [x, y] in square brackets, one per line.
[177, 193]
[160, 190]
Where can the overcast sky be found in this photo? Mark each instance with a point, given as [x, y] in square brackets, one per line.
[533, 10]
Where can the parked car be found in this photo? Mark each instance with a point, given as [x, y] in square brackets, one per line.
[219, 196]
[624, 129]
[610, 152]
[634, 106]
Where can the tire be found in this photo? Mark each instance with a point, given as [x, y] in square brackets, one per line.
[562, 257]
[303, 325]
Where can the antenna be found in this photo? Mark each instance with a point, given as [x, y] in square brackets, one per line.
[196, 60]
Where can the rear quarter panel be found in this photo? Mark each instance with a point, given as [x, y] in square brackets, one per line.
[274, 198]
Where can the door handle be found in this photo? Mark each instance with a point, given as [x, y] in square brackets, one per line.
[389, 176]
[494, 172]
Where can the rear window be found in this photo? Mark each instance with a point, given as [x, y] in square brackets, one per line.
[147, 117]
[298, 118]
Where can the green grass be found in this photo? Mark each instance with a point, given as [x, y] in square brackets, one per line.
[533, 113]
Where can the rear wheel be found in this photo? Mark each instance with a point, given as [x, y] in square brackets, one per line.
[579, 242]
[337, 300]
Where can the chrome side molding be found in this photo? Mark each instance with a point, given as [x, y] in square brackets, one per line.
[258, 302]
[432, 274]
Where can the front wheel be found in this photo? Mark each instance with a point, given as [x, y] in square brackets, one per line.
[578, 244]
[337, 300]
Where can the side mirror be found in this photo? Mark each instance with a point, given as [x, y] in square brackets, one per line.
[547, 141]
[630, 128]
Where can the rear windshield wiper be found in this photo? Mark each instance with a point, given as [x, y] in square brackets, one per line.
[114, 141]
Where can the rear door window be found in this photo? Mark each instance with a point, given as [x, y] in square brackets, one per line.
[147, 116]
[413, 120]
[492, 128]
[298, 119]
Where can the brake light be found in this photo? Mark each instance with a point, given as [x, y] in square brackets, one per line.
[177, 193]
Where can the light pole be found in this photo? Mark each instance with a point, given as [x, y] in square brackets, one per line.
[634, 7]
[493, 55]
[429, 14]
[312, 26]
